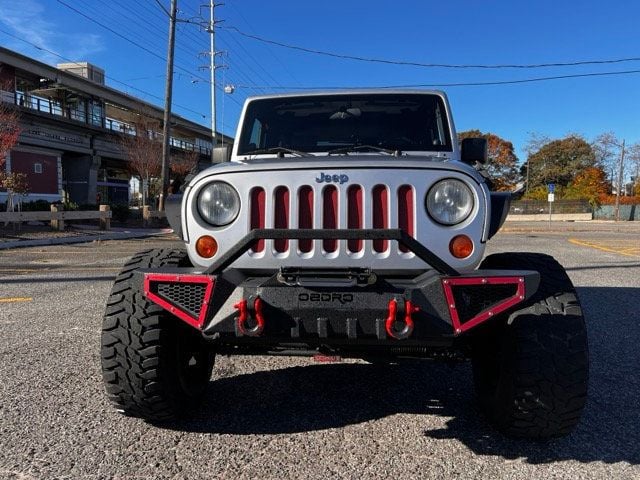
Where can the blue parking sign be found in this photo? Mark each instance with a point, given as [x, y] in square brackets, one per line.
[552, 187]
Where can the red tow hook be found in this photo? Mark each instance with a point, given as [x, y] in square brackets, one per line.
[407, 330]
[243, 316]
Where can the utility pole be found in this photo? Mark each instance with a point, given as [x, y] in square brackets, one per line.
[620, 179]
[168, 93]
[212, 67]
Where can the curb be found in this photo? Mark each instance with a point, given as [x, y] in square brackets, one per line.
[42, 242]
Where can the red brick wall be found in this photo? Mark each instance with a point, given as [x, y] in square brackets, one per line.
[45, 182]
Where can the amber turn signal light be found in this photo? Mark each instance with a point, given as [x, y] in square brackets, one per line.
[206, 246]
[461, 246]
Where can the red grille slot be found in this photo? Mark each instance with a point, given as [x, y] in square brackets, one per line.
[354, 215]
[380, 214]
[405, 212]
[305, 215]
[257, 215]
[330, 215]
[281, 216]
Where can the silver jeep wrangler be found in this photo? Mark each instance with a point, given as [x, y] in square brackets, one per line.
[347, 224]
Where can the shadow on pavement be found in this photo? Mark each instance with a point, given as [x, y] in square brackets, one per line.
[318, 397]
[609, 429]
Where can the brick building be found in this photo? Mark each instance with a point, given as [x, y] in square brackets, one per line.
[71, 130]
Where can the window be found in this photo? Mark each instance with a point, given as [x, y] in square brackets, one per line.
[96, 113]
[37, 168]
[320, 123]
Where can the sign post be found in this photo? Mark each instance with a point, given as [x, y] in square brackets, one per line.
[551, 197]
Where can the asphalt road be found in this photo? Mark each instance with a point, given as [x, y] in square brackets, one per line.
[292, 418]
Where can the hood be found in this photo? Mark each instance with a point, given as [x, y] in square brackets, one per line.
[333, 165]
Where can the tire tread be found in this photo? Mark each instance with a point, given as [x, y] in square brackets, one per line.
[543, 355]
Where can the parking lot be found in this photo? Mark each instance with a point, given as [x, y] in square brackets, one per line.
[293, 418]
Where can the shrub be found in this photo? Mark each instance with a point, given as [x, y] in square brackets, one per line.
[36, 206]
[611, 200]
[121, 212]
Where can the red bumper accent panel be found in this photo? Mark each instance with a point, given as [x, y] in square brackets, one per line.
[151, 280]
[449, 283]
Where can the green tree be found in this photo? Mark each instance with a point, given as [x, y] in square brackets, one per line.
[560, 161]
[502, 159]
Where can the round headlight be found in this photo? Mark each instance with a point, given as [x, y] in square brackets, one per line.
[449, 201]
[218, 203]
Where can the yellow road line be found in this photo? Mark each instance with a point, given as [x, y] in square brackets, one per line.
[604, 249]
[15, 299]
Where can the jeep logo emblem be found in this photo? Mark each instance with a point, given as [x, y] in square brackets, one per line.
[324, 178]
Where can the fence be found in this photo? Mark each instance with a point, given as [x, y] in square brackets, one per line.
[57, 216]
[627, 212]
[533, 207]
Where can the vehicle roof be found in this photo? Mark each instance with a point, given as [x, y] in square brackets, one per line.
[313, 93]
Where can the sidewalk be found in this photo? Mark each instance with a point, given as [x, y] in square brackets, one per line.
[38, 236]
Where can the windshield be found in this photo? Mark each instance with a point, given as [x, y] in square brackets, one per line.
[398, 121]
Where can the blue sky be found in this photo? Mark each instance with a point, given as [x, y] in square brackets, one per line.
[452, 32]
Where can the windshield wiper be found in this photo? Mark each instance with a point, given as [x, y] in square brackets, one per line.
[279, 150]
[356, 147]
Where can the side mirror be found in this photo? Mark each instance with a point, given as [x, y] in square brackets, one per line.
[474, 150]
[221, 154]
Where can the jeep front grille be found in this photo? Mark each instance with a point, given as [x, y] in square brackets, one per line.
[321, 208]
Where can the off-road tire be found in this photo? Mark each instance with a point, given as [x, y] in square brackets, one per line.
[154, 366]
[531, 366]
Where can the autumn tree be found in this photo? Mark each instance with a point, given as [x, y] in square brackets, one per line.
[560, 161]
[9, 133]
[144, 153]
[590, 184]
[501, 165]
[181, 165]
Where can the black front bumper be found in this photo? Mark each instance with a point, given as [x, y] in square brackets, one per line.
[336, 306]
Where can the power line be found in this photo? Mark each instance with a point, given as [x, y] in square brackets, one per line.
[270, 50]
[428, 65]
[111, 30]
[133, 42]
[461, 84]
[149, 94]
[164, 9]
[248, 78]
[247, 54]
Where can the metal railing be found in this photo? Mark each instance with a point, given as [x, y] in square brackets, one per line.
[52, 107]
